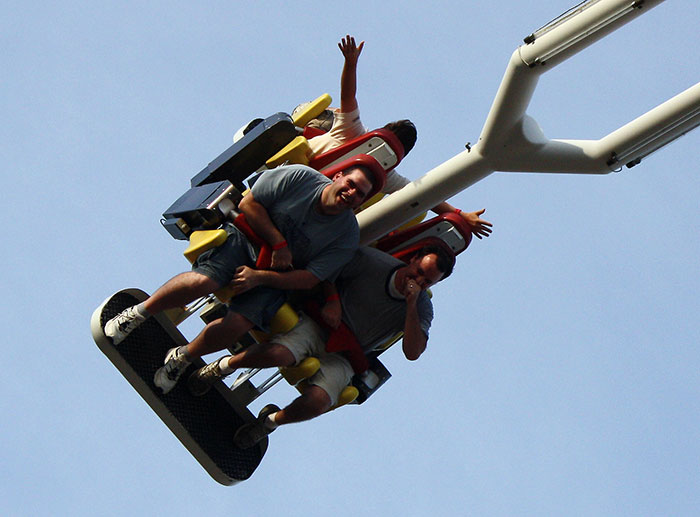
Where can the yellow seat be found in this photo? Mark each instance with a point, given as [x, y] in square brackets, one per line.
[296, 151]
[295, 374]
[348, 395]
[202, 241]
[284, 320]
[312, 110]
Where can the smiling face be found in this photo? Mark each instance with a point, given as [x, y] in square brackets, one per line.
[346, 192]
[423, 271]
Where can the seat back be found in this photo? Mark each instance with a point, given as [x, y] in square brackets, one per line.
[452, 232]
[381, 144]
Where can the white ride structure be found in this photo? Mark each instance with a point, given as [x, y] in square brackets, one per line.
[512, 141]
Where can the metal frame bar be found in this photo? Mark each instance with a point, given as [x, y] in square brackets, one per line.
[512, 141]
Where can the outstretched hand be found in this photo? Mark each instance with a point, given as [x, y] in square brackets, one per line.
[480, 227]
[350, 50]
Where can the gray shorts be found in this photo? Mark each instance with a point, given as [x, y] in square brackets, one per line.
[307, 339]
[258, 305]
[220, 263]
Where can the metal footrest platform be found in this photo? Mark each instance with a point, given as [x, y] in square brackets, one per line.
[205, 425]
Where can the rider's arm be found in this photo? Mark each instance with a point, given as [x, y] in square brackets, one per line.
[259, 220]
[332, 310]
[348, 78]
[479, 227]
[247, 278]
[414, 339]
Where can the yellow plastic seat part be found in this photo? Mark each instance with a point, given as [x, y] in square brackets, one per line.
[296, 151]
[202, 241]
[348, 395]
[312, 110]
[284, 320]
[305, 369]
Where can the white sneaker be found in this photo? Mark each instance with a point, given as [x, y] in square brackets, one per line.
[166, 376]
[123, 324]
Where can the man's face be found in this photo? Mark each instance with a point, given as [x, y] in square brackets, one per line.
[423, 271]
[348, 191]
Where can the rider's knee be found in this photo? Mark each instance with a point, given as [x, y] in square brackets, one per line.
[317, 399]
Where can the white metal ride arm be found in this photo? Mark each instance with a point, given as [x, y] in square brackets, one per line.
[512, 141]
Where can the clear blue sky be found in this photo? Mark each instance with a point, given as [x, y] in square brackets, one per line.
[561, 376]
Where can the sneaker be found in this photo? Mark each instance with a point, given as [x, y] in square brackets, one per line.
[166, 376]
[203, 379]
[250, 434]
[123, 324]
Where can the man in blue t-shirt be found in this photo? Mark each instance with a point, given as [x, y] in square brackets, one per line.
[376, 296]
[308, 221]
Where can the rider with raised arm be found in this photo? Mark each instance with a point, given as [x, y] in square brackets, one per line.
[346, 126]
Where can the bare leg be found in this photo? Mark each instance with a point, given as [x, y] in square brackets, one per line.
[179, 291]
[314, 402]
[219, 334]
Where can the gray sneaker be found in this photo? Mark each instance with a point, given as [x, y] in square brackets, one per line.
[166, 376]
[123, 324]
[248, 435]
[203, 379]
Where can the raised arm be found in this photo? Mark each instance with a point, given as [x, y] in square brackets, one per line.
[348, 78]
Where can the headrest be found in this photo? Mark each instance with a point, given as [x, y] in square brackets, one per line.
[320, 161]
[407, 253]
[434, 227]
[360, 160]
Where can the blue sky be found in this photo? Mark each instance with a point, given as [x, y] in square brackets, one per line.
[562, 371]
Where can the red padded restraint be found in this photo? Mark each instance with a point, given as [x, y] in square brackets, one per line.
[397, 237]
[322, 160]
[340, 340]
[265, 253]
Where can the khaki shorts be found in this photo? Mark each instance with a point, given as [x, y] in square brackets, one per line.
[307, 339]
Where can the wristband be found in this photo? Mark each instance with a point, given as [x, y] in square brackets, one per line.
[333, 297]
[458, 211]
[279, 246]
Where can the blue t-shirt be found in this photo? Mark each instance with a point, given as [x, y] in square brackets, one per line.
[319, 243]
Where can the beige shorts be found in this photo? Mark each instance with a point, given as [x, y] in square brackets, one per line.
[307, 339]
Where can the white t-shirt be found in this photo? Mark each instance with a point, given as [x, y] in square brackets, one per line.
[347, 127]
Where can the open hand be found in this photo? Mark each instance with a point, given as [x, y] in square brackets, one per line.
[480, 227]
[350, 50]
